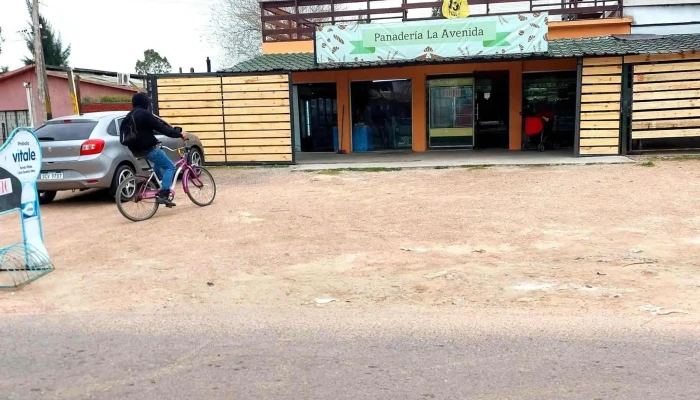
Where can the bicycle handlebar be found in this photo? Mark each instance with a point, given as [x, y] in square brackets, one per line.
[168, 148]
[162, 146]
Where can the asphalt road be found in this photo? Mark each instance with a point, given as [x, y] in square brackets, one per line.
[321, 354]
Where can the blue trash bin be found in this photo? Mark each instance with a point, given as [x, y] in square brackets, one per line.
[361, 138]
[335, 139]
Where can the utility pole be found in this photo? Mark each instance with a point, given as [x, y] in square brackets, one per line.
[42, 84]
[77, 94]
[30, 103]
[72, 90]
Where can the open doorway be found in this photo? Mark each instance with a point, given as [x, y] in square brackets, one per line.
[551, 95]
[317, 116]
[381, 115]
[492, 111]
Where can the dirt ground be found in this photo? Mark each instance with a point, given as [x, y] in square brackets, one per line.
[568, 239]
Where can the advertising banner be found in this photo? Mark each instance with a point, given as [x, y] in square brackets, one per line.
[20, 164]
[435, 39]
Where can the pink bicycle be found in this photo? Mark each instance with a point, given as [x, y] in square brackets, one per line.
[136, 195]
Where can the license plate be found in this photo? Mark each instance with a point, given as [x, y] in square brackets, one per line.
[51, 176]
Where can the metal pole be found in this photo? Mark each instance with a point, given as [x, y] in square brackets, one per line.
[77, 94]
[577, 121]
[208, 65]
[71, 89]
[42, 84]
[30, 103]
[626, 109]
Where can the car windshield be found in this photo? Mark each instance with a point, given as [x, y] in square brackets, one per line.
[64, 130]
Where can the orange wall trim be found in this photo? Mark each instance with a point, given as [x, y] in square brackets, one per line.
[589, 28]
[418, 75]
[306, 46]
[557, 30]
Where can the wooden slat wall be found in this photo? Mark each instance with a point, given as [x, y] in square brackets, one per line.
[666, 96]
[600, 106]
[189, 102]
[240, 119]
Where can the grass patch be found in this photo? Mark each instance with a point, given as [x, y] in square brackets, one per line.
[235, 167]
[329, 172]
[671, 157]
[336, 171]
[683, 157]
[648, 163]
[480, 166]
[374, 169]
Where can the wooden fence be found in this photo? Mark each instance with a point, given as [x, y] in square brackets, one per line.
[241, 119]
[665, 96]
[601, 99]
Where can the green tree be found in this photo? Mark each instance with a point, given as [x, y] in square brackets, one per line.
[54, 53]
[153, 63]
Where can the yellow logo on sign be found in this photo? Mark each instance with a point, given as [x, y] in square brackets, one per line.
[455, 9]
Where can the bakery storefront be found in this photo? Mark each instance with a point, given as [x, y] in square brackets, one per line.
[493, 82]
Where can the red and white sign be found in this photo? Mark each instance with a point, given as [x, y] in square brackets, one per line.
[5, 186]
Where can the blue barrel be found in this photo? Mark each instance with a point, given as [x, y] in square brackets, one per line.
[335, 139]
[361, 135]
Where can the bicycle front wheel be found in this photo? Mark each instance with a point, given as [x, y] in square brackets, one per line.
[200, 186]
[132, 203]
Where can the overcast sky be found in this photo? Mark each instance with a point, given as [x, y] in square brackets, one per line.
[101, 38]
[112, 34]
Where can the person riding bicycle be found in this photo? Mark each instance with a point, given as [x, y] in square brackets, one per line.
[145, 143]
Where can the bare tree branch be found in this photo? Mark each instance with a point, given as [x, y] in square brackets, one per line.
[236, 27]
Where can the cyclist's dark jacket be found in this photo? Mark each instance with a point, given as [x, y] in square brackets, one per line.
[147, 125]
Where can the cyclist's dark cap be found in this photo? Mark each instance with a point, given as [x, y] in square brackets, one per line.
[141, 100]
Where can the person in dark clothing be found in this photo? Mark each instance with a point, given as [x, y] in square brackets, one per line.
[145, 143]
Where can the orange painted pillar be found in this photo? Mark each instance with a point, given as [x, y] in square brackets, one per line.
[516, 106]
[419, 115]
[344, 112]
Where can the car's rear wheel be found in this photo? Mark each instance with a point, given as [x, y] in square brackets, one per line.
[122, 173]
[46, 196]
[196, 158]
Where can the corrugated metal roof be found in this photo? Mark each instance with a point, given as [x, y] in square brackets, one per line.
[88, 75]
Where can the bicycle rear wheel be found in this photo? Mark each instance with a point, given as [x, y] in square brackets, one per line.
[130, 202]
[200, 188]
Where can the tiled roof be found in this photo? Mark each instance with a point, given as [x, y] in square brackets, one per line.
[561, 48]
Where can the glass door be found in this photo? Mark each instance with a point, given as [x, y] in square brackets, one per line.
[491, 103]
[451, 112]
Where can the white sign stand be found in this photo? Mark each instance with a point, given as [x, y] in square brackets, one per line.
[20, 164]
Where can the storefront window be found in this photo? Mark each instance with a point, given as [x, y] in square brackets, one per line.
[451, 109]
[381, 115]
[552, 93]
[317, 117]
